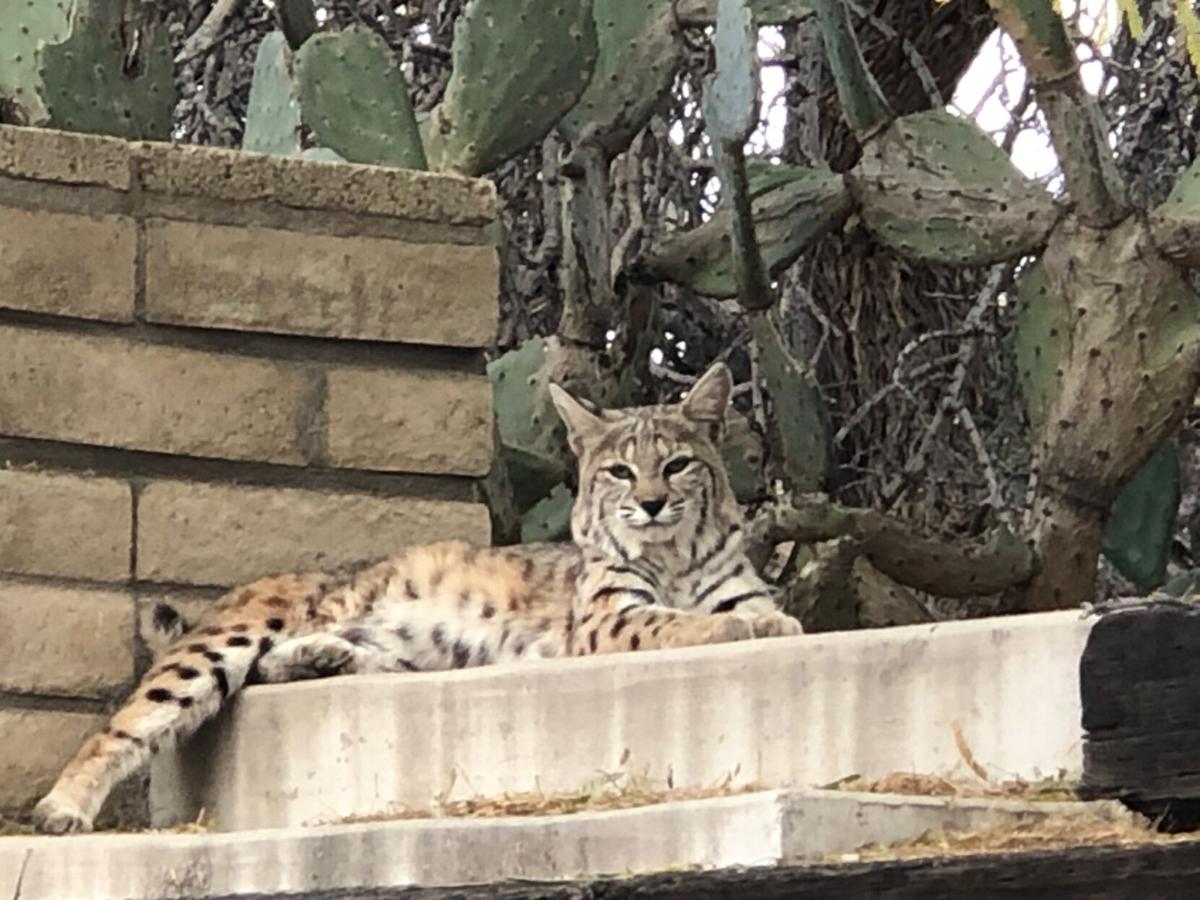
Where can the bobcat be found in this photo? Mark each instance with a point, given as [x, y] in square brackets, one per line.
[657, 561]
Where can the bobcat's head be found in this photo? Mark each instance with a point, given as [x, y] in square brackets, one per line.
[651, 475]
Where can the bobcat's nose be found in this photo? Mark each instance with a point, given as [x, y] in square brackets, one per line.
[653, 507]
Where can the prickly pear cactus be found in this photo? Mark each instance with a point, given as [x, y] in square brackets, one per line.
[766, 12]
[518, 67]
[272, 112]
[322, 154]
[1137, 539]
[354, 99]
[532, 436]
[1141, 523]
[1042, 326]
[799, 410]
[638, 52]
[792, 208]
[344, 89]
[730, 101]
[742, 453]
[87, 84]
[963, 201]
[863, 104]
[550, 518]
[23, 25]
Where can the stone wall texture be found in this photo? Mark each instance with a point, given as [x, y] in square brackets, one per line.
[215, 366]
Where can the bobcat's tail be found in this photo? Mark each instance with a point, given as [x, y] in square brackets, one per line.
[186, 686]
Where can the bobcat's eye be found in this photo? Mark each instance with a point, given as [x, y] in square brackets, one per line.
[620, 471]
[677, 465]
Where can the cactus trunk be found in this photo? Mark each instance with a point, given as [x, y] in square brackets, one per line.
[589, 303]
[1119, 353]
[1077, 128]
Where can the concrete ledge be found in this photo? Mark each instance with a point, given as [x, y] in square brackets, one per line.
[47, 155]
[752, 829]
[785, 712]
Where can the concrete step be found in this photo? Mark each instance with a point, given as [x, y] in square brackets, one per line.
[779, 713]
[749, 829]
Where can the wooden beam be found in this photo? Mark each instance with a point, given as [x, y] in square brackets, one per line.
[1085, 873]
[1140, 689]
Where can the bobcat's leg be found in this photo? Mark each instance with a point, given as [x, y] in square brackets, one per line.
[355, 650]
[184, 688]
[609, 629]
[616, 609]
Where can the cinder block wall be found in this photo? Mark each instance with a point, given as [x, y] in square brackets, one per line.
[215, 366]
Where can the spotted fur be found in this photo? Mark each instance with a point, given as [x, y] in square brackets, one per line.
[657, 561]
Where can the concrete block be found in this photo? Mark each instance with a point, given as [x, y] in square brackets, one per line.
[115, 392]
[783, 712]
[267, 279]
[43, 154]
[65, 525]
[748, 830]
[409, 421]
[69, 641]
[228, 534]
[36, 745]
[67, 265]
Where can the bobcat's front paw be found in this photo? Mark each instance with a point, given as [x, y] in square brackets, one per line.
[312, 656]
[56, 815]
[774, 624]
[724, 628]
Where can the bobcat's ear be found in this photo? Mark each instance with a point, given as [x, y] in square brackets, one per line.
[708, 399]
[583, 425]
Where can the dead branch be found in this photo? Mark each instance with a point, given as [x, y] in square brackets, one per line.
[945, 567]
[206, 35]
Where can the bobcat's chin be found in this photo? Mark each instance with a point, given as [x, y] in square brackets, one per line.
[646, 535]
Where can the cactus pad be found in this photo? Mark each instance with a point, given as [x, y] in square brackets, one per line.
[322, 154]
[517, 68]
[272, 113]
[86, 84]
[935, 187]
[742, 453]
[730, 101]
[638, 51]
[354, 99]
[550, 518]
[1141, 523]
[792, 207]
[532, 437]
[23, 24]
[799, 410]
[863, 103]
[1043, 324]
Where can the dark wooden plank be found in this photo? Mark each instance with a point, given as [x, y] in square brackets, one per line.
[1087, 873]
[1140, 690]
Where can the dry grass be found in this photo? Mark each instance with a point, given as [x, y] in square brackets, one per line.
[13, 828]
[984, 786]
[1051, 833]
[624, 790]
[915, 784]
[202, 825]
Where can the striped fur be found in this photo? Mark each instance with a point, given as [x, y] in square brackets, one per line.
[657, 561]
